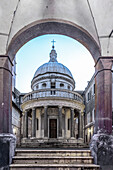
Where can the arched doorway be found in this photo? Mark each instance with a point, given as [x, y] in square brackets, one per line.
[102, 64]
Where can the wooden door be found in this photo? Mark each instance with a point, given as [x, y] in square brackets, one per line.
[53, 128]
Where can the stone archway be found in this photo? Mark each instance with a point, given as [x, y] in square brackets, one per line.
[103, 70]
[53, 27]
[102, 64]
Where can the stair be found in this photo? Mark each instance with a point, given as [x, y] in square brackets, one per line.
[53, 143]
[53, 159]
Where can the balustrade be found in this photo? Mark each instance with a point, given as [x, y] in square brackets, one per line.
[52, 93]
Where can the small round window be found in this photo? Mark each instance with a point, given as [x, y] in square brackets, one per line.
[36, 86]
[61, 85]
[44, 85]
[68, 87]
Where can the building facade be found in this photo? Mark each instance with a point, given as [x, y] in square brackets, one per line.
[53, 111]
[89, 116]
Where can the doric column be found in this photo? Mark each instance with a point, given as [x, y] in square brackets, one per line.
[5, 95]
[26, 125]
[60, 122]
[45, 122]
[72, 123]
[65, 124]
[23, 122]
[80, 126]
[33, 122]
[40, 121]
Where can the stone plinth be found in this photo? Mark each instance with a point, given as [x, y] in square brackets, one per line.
[101, 147]
[7, 149]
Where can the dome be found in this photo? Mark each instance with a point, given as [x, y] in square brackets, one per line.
[53, 66]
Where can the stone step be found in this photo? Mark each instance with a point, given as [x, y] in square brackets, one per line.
[53, 144]
[54, 167]
[49, 152]
[52, 160]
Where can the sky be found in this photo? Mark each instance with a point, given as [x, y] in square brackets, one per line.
[70, 53]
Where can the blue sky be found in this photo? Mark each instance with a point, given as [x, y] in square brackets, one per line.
[69, 52]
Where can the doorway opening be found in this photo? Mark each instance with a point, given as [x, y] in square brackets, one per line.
[53, 128]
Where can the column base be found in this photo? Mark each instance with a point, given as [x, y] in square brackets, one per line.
[80, 139]
[7, 149]
[101, 147]
[60, 137]
[32, 137]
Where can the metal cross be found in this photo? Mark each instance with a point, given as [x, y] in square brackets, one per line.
[53, 42]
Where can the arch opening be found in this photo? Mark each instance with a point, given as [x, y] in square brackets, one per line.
[53, 27]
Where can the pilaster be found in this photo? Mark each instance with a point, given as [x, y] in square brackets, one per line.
[5, 95]
[103, 95]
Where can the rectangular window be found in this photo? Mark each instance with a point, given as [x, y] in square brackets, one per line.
[37, 124]
[94, 88]
[88, 97]
[86, 138]
[68, 124]
[52, 85]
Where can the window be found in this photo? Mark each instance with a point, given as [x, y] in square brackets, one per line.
[61, 85]
[68, 87]
[86, 138]
[89, 96]
[37, 124]
[36, 87]
[94, 88]
[44, 85]
[52, 85]
[53, 92]
[68, 124]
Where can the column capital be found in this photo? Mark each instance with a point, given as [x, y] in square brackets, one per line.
[45, 107]
[24, 111]
[72, 109]
[82, 113]
[60, 107]
[34, 108]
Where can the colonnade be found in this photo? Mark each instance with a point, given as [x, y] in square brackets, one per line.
[72, 123]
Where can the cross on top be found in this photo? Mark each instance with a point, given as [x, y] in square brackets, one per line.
[53, 43]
